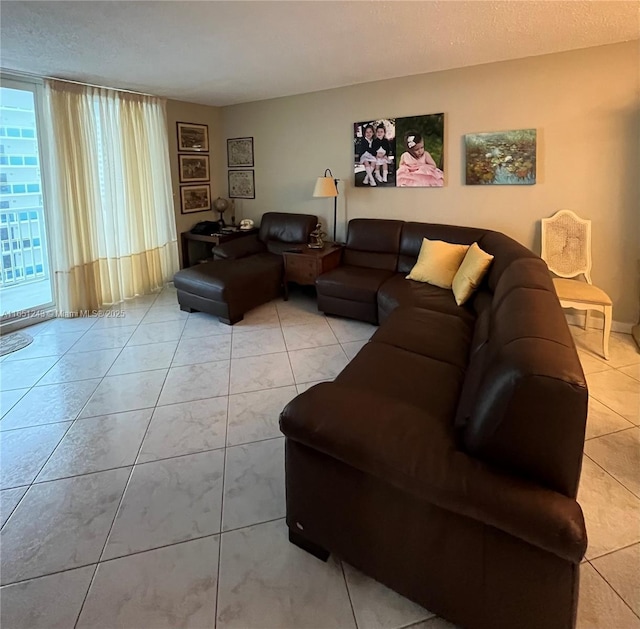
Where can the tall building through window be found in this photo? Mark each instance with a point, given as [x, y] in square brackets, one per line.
[24, 271]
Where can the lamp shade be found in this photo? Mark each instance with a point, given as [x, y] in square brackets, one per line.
[325, 187]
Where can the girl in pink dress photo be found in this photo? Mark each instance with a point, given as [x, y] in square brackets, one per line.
[416, 167]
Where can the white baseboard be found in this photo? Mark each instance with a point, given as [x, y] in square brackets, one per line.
[596, 322]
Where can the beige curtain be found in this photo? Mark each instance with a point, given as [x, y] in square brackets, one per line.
[114, 232]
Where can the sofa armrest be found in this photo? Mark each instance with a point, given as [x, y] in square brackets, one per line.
[239, 248]
[398, 444]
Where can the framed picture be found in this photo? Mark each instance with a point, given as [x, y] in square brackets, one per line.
[193, 168]
[195, 198]
[501, 158]
[240, 152]
[374, 143]
[420, 150]
[399, 152]
[241, 184]
[193, 137]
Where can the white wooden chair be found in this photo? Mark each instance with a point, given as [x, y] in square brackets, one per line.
[566, 248]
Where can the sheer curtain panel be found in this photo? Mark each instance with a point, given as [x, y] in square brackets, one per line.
[114, 234]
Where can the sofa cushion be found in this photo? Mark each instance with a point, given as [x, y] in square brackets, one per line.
[438, 262]
[427, 383]
[398, 291]
[373, 243]
[429, 333]
[221, 280]
[470, 273]
[352, 282]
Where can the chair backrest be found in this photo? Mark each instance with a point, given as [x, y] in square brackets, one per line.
[566, 244]
[284, 227]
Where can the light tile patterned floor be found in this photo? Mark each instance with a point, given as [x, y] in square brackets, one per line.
[143, 482]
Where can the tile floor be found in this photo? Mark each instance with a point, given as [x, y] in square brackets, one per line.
[142, 476]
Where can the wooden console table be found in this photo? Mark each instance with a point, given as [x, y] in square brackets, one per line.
[213, 239]
[303, 265]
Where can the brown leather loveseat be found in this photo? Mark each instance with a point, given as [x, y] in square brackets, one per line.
[444, 460]
[245, 272]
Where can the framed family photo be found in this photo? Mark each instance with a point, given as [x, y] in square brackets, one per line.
[193, 137]
[195, 198]
[193, 168]
[240, 152]
[241, 184]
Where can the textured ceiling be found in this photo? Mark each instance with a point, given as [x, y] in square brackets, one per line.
[221, 53]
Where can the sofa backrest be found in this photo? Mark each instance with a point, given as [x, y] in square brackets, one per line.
[373, 243]
[505, 251]
[281, 227]
[524, 401]
[413, 234]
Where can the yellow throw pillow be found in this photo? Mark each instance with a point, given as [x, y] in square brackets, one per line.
[473, 268]
[437, 262]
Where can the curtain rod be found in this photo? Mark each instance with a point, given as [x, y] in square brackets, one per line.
[21, 74]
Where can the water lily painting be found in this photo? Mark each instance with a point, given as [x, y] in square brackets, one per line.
[501, 158]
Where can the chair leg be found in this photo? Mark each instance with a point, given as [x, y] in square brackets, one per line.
[606, 331]
[586, 318]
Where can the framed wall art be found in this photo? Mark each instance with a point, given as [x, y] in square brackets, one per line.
[399, 152]
[241, 184]
[193, 137]
[193, 168]
[501, 158]
[240, 152]
[420, 148]
[374, 144]
[195, 198]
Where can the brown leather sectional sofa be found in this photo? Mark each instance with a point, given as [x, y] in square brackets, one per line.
[444, 460]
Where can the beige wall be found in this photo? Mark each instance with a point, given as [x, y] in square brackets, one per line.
[585, 105]
[178, 111]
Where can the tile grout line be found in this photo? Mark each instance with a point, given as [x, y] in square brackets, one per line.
[164, 458]
[612, 476]
[611, 552]
[142, 552]
[224, 481]
[346, 587]
[602, 576]
[608, 434]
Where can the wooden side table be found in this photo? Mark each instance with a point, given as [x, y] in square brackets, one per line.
[303, 265]
[214, 239]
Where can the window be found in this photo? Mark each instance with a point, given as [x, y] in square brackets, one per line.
[22, 218]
